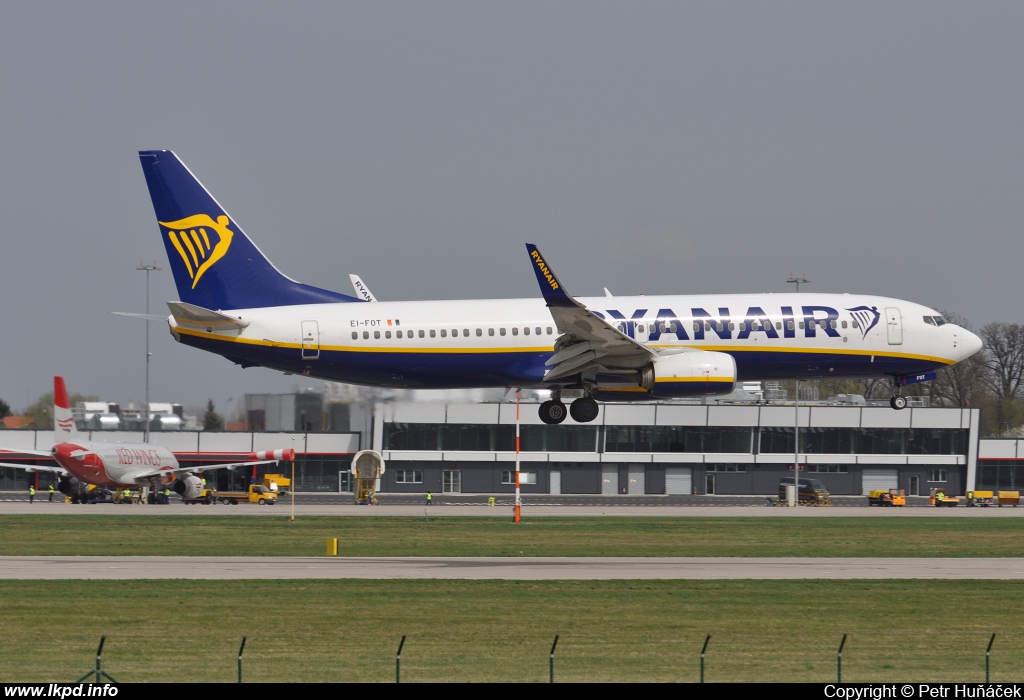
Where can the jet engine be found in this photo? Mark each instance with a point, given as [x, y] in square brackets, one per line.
[690, 373]
[188, 486]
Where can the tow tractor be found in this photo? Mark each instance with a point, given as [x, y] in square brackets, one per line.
[887, 497]
[939, 497]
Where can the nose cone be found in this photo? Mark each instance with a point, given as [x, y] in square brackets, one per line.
[969, 344]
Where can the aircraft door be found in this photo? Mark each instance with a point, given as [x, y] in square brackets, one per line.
[642, 331]
[310, 340]
[894, 325]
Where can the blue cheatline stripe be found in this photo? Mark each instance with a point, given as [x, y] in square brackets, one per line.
[467, 369]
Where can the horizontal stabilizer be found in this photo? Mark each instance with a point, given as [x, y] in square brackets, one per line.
[198, 317]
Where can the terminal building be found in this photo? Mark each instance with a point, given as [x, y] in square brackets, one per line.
[670, 448]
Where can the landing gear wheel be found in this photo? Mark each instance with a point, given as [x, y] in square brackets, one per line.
[584, 410]
[898, 402]
[552, 412]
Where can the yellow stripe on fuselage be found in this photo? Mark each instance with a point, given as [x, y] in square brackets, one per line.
[731, 349]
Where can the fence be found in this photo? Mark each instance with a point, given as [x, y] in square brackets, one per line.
[797, 658]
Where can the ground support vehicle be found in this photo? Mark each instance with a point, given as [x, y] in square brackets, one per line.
[257, 493]
[979, 498]
[1009, 498]
[944, 500]
[811, 492]
[887, 497]
[278, 483]
[206, 497]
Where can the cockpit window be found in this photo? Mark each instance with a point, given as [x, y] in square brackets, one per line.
[935, 320]
[929, 320]
[939, 321]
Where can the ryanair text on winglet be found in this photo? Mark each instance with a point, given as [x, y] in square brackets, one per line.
[539, 262]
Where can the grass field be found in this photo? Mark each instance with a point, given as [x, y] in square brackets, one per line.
[348, 630]
[384, 536]
[502, 631]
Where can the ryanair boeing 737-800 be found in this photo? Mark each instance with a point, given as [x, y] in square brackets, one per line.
[235, 303]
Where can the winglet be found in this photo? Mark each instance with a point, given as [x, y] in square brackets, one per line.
[550, 288]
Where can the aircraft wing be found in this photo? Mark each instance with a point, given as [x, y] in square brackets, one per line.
[167, 472]
[588, 343]
[33, 468]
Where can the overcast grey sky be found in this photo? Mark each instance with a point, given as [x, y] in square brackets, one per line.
[646, 147]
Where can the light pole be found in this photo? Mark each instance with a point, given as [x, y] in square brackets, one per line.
[793, 279]
[148, 269]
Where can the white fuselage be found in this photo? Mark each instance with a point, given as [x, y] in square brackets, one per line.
[482, 343]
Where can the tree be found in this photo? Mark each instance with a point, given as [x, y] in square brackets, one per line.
[1004, 359]
[40, 412]
[5, 409]
[212, 419]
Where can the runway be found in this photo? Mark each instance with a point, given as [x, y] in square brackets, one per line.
[505, 568]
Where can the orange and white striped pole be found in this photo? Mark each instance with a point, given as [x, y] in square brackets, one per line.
[517, 511]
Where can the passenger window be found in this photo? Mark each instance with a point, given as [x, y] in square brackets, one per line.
[537, 329]
[801, 328]
[526, 331]
[465, 332]
[433, 333]
[696, 326]
[732, 326]
[398, 334]
[549, 330]
[854, 323]
[366, 335]
[455, 332]
[743, 326]
[515, 331]
[844, 324]
[778, 325]
[832, 324]
[501, 331]
[421, 334]
[490, 331]
[789, 325]
[479, 332]
[720, 326]
[376, 335]
[387, 334]
[355, 335]
[444, 334]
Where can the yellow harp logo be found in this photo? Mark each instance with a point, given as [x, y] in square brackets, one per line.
[191, 239]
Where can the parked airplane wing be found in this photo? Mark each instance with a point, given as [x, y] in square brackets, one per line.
[263, 457]
[588, 342]
[33, 468]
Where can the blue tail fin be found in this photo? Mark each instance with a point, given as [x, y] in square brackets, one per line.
[215, 264]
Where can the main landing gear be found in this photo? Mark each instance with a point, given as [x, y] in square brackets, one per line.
[582, 410]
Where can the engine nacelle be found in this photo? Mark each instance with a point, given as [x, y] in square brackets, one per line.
[693, 373]
[188, 486]
[69, 485]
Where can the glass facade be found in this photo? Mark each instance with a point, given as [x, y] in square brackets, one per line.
[674, 438]
[894, 441]
[1000, 475]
